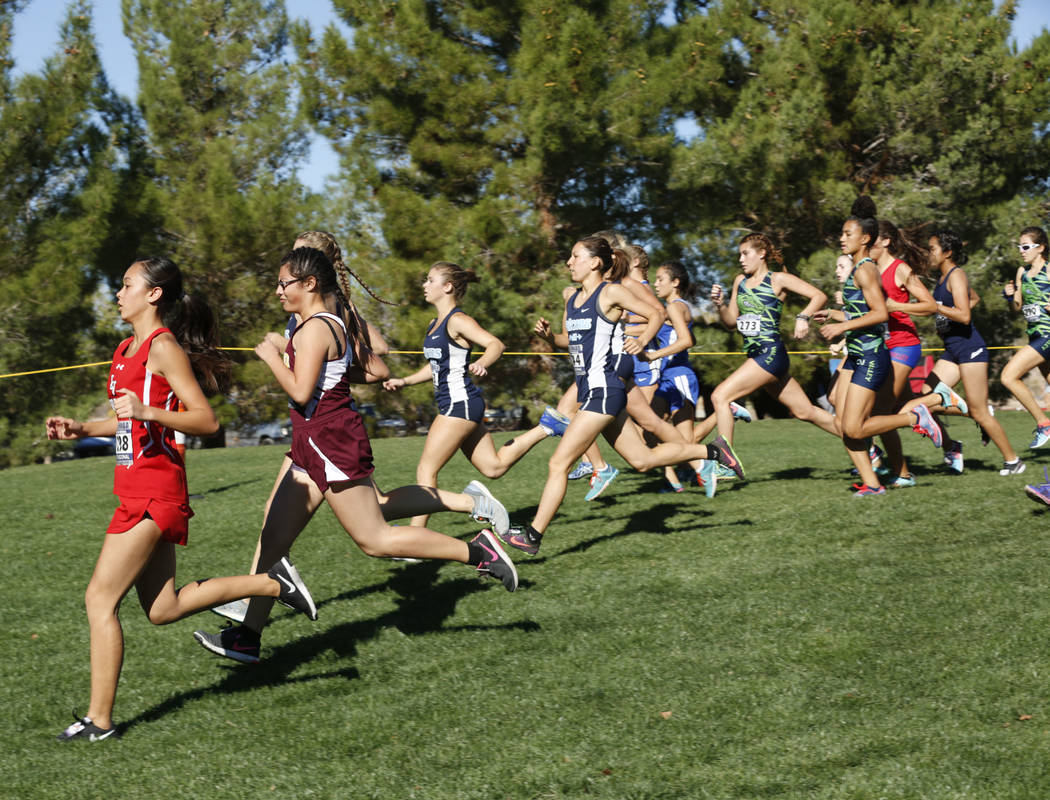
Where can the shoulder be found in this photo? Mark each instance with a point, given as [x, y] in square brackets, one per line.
[568, 292]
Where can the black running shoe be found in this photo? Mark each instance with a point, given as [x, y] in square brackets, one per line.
[524, 538]
[84, 728]
[236, 642]
[294, 593]
[497, 563]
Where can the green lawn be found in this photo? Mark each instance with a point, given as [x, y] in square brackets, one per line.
[780, 640]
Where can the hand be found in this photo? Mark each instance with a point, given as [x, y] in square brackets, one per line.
[821, 316]
[393, 384]
[1009, 290]
[128, 406]
[267, 350]
[63, 428]
[801, 328]
[277, 340]
[631, 346]
[717, 296]
[542, 328]
[478, 370]
[832, 331]
[838, 298]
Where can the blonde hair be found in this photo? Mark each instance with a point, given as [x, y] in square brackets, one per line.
[326, 243]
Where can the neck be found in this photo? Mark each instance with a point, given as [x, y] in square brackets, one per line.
[591, 280]
[144, 324]
[444, 305]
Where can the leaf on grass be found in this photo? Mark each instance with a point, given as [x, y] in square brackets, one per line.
[1025, 717]
[666, 714]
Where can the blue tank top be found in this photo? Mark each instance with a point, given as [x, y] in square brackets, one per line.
[1035, 294]
[949, 328]
[667, 336]
[448, 364]
[591, 342]
[758, 318]
[862, 341]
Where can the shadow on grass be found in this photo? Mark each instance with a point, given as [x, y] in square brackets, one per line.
[641, 521]
[422, 607]
[226, 488]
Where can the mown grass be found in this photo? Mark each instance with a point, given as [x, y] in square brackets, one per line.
[780, 640]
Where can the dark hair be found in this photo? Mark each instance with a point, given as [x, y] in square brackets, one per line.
[678, 272]
[950, 243]
[191, 321]
[1039, 235]
[621, 266]
[309, 262]
[326, 243]
[903, 247]
[599, 247]
[459, 278]
[765, 244]
[863, 208]
[613, 238]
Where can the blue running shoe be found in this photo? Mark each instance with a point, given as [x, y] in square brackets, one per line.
[870, 491]
[724, 473]
[582, 470]
[954, 458]
[671, 488]
[724, 454]
[1042, 436]
[709, 475]
[925, 426]
[949, 399]
[875, 455]
[739, 412]
[902, 482]
[601, 480]
[553, 421]
[1041, 491]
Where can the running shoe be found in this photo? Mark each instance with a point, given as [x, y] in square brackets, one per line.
[553, 421]
[675, 488]
[235, 610]
[497, 563]
[487, 508]
[949, 399]
[875, 455]
[724, 473]
[583, 470]
[1015, 467]
[954, 458]
[601, 480]
[1041, 491]
[926, 426]
[870, 491]
[1042, 436]
[294, 593]
[524, 538]
[724, 454]
[84, 728]
[236, 642]
[902, 482]
[739, 412]
[709, 475]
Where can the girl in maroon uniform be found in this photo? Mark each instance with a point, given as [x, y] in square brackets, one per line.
[151, 373]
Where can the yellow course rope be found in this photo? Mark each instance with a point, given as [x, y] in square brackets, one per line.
[559, 353]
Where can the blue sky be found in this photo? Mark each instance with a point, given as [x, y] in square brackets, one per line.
[36, 34]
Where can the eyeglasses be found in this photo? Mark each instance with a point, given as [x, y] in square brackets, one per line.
[285, 284]
[1024, 248]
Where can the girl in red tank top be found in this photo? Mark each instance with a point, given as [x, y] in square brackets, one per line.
[150, 374]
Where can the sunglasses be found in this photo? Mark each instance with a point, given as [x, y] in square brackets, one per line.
[1024, 248]
[285, 284]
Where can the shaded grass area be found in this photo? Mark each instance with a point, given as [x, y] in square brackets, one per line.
[780, 640]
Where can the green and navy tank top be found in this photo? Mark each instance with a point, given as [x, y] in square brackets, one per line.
[758, 320]
[1035, 294]
[862, 341]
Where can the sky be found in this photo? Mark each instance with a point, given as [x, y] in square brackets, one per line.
[37, 27]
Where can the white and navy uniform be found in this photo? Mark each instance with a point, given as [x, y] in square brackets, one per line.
[329, 441]
[454, 391]
[591, 345]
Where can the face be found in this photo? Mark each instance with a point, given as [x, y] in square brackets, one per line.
[852, 240]
[664, 285]
[751, 258]
[290, 290]
[434, 286]
[1032, 253]
[581, 262]
[880, 247]
[135, 295]
[843, 265]
[936, 253]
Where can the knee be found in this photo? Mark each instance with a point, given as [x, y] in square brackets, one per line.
[377, 545]
[492, 470]
[720, 396]
[852, 429]
[161, 615]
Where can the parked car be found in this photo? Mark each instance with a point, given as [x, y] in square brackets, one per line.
[275, 432]
[394, 425]
[94, 446]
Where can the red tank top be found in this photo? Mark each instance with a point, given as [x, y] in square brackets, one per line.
[148, 465]
[902, 331]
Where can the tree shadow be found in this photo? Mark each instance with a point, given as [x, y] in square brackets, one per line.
[422, 607]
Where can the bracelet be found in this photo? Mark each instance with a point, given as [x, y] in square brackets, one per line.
[805, 317]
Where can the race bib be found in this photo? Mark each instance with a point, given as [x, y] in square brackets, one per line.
[123, 445]
[942, 323]
[1032, 311]
[434, 373]
[749, 324]
[579, 364]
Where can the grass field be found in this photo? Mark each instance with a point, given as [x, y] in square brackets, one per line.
[780, 640]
